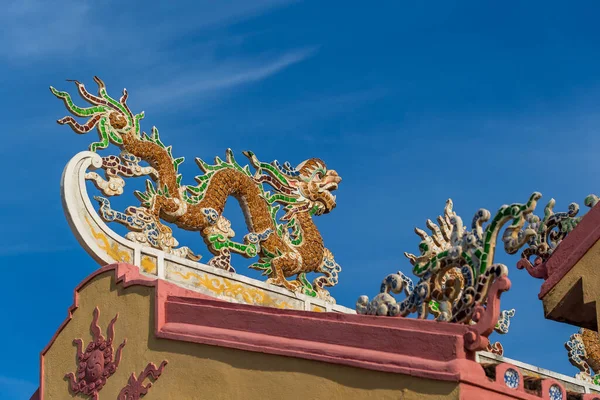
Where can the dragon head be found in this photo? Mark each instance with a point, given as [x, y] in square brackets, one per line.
[315, 182]
[306, 188]
[111, 117]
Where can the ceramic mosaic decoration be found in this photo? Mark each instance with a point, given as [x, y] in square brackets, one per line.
[455, 268]
[288, 247]
[550, 231]
[511, 378]
[547, 233]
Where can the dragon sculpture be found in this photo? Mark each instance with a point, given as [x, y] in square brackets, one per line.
[288, 246]
[455, 269]
[584, 354]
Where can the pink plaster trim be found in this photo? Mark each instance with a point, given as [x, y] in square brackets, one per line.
[486, 317]
[418, 348]
[572, 249]
[546, 384]
[498, 390]
[426, 349]
[502, 368]
[537, 270]
[591, 396]
[493, 391]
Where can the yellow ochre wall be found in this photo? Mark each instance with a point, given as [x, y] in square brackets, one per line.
[201, 372]
[586, 268]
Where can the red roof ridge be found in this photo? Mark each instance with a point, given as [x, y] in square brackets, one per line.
[572, 249]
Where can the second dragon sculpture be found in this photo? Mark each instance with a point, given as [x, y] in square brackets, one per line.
[287, 247]
[455, 268]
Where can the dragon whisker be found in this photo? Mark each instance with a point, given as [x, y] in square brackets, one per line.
[123, 101]
[77, 127]
[92, 99]
[100, 83]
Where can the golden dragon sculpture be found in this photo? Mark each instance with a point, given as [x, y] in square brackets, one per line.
[287, 246]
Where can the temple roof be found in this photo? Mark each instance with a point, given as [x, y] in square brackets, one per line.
[575, 245]
[411, 347]
[570, 290]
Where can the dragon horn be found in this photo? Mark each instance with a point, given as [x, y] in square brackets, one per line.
[99, 82]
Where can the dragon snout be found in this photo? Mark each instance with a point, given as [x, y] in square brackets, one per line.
[331, 181]
[332, 176]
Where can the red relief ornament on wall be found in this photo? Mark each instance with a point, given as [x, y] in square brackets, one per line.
[135, 388]
[495, 348]
[97, 363]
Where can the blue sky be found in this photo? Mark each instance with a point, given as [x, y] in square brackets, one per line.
[411, 104]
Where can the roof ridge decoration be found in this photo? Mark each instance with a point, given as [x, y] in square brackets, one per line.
[584, 350]
[550, 231]
[97, 362]
[583, 347]
[456, 266]
[289, 246]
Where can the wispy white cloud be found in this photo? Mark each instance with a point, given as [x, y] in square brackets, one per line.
[208, 13]
[180, 48]
[209, 78]
[313, 109]
[33, 29]
[16, 388]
